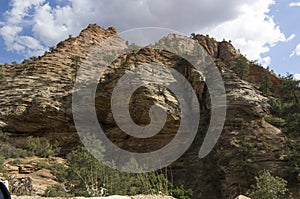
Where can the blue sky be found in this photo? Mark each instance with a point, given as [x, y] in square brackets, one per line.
[264, 30]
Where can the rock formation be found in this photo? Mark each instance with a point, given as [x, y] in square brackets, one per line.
[35, 99]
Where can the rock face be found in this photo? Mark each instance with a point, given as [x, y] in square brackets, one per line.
[34, 94]
[31, 176]
[219, 50]
[35, 98]
[226, 53]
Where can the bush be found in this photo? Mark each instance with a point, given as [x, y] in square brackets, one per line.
[3, 136]
[1, 161]
[268, 187]
[43, 165]
[84, 179]
[86, 176]
[180, 192]
[293, 156]
[10, 151]
[41, 148]
[57, 190]
[60, 172]
[2, 77]
[276, 121]
[241, 66]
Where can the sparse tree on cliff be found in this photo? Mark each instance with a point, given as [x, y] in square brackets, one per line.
[266, 84]
[241, 66]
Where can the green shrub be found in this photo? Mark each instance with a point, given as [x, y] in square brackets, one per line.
[266, 85]
[60, 172]
[86, 176]
[57, 190]
[15, 162]
[9, 151]
[3, 136]
[293, 156]
[180, 192]
[276, 121]
[241, 67]
[1, 161]
[41, 148]
[43, 165]
[85, 173]
[268, 187]
[2, 77]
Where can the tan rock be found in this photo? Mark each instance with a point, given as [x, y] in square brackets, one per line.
[242, 197]
[36, 98]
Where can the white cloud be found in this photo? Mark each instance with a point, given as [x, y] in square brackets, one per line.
[294, 4]
[291, 37]
[296, 52]
[12, 29]
[297, 76]
[253, 31]
[246, 22]
[20, 9]
[265, 62]
[9, 34]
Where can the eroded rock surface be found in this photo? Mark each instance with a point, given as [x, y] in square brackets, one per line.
[35, 98]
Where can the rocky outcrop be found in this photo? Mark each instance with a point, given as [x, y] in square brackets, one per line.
[227, 53]
[35, 98]
[34, 94]
[31, 176]
[224, 50]
[242, 197]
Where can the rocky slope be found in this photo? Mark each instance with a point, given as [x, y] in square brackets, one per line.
[35, 99]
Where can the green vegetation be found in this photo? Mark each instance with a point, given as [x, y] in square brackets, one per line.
[241, 67]
[288, 91]
[33, 146]
[75, 61]
[276, 121]
[2, 76]
[268, 187]
[266, 85]
[287, 106]
[8, 150]
[293, 155]
[57, 190]
[1, 161]
[75, 64]
[243, 156]
[86, 176]
[83, 175]
[41, 148]
[51, 49]
[33, 58]
[193, 36]
[94, 178]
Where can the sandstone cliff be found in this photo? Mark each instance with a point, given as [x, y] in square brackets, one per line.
[35, 99]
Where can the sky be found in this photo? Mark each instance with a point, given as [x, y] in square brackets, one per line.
[266, 31]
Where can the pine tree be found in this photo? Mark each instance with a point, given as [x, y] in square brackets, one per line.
[241, 66]
[266, 84]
